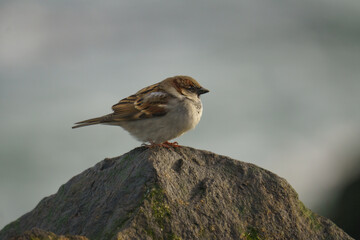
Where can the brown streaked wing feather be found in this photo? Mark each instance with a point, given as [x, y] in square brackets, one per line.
[153, 104]
[142, 105]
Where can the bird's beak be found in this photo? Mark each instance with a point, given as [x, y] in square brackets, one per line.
[202, 91]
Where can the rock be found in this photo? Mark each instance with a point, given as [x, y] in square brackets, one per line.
[180, 193]
[37, 234]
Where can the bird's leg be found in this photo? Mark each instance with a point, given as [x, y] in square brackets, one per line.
[166, 144]
[170, 144]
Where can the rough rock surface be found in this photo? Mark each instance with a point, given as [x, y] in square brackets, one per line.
[37, 234]
[180, 193]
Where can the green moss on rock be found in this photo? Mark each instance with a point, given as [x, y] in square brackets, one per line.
[160, 209]
[310, 216]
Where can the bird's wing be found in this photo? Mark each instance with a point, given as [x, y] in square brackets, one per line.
[147, 103]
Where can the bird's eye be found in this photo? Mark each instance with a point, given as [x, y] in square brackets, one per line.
[191, 88]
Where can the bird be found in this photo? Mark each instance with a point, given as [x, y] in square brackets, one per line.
[157, 113]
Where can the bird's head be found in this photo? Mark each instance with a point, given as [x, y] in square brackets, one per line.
[187, 86]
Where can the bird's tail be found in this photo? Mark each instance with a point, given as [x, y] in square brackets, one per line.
[89, 122]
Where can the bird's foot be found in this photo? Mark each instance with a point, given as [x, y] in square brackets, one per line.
[170, 144]
[164, 144]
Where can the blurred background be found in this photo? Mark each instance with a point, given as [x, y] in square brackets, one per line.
[284, 80]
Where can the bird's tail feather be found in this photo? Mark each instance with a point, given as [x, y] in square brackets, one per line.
[89, 122]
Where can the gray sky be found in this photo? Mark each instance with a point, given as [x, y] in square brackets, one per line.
[284, 78]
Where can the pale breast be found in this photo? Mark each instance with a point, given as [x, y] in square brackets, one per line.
[182, 117]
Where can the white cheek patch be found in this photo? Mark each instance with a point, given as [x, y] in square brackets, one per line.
[175, 93]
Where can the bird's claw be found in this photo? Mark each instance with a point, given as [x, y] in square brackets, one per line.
[166, 144]
[169, 144]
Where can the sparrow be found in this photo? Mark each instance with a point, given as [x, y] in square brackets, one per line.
[157, 113]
